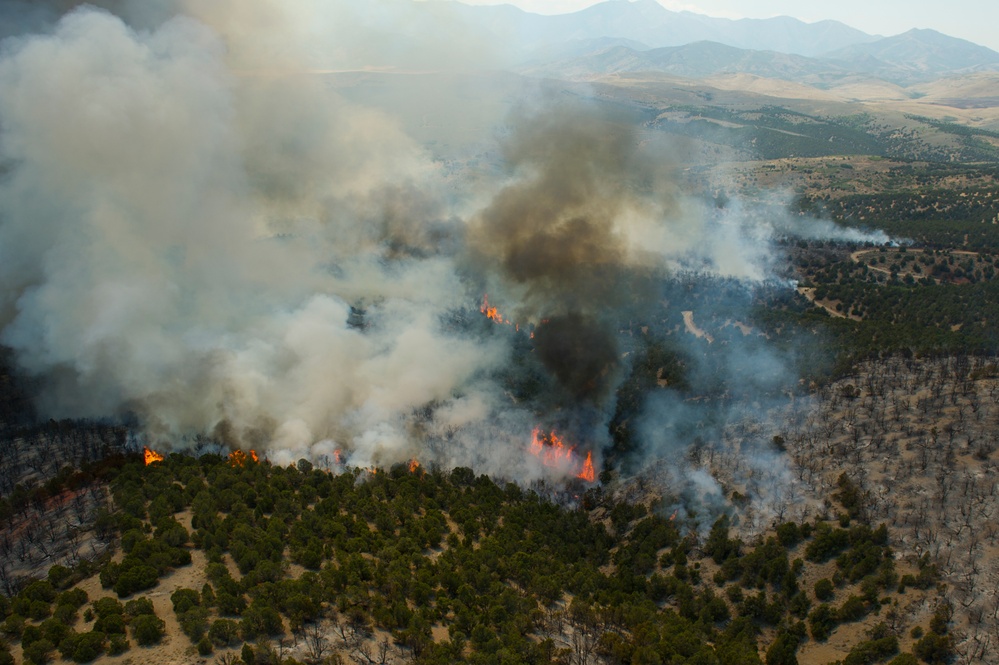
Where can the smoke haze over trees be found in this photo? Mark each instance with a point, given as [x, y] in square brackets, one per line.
[199, 232]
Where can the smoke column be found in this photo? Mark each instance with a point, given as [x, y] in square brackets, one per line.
[183, 242]
[196, 230]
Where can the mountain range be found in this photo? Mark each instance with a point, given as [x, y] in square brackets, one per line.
[620, 36]
[913, 57]
[649, 23]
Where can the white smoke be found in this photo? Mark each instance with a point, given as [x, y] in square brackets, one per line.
[138, 252]
[189, 213]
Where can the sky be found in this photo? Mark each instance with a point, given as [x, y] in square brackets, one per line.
[974, 20]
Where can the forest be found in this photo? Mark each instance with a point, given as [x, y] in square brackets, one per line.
[298, 565]
[835, 506]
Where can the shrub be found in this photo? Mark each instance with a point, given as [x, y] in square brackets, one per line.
[904, 659]
[872, 651]
[224, 632]
[789, 534]
[88, 646]
[39, 590]
[194, 623]
[112, 624]
[147, 629]
[66, 614]
[58, 574]
[139, 606]
[821, 622]
[117, 644]
[38, 652]
[853, 609]
[934, 648]
[39, 609]
[941, 619]
[783, 650]
[14, 625]
[184, 599]
[824, 589]
[107, 605]
[827, 543]
[54, 630]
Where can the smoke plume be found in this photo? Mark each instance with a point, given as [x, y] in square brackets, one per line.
[198, 231]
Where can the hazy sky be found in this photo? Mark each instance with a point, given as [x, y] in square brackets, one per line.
[974, 20]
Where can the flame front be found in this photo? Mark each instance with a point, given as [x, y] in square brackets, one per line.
[588, 473]
[491, 312]
[239, 458]
[151, 456]
[414, 466]
[553, 451]
[549, 448]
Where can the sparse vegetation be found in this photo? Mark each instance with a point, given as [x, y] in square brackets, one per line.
[882, 551]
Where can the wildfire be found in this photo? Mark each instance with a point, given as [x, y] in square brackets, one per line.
[553, 451]
[550, 448]
[151, 456]
[414, 466]
[492, 313]
[588, 473]
[239, 458]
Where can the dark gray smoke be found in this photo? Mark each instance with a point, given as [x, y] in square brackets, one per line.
[560, 238]
[198, 231]
[581, 353]
[562, 234]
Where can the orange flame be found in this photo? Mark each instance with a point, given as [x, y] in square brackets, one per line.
[414, 466]
[552, 450]
[491, 312]
[337, 457]
[151, 456]
[588, 473]
[239, 458]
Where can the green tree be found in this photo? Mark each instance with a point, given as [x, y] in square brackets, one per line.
[139, 606]
[39, 652]
[784, 650]
[147, 629]
[88, 646]
[934, 649]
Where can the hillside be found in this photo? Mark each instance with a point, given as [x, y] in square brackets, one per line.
[915, 57]
[351, 333]
[221, 558]
[923, 54]
[648, 22]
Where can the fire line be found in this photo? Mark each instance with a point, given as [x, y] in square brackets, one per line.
[151, 456]
[553, 451]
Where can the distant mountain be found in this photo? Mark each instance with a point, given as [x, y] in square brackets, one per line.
[619, 36]
[914, 57]
[918, 54]
[697, 60]
[783, 34]
[649, 23]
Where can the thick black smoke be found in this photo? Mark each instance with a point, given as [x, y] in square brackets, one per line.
[192, 221]
[561, 235]
[582, 353]
[560, 238]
